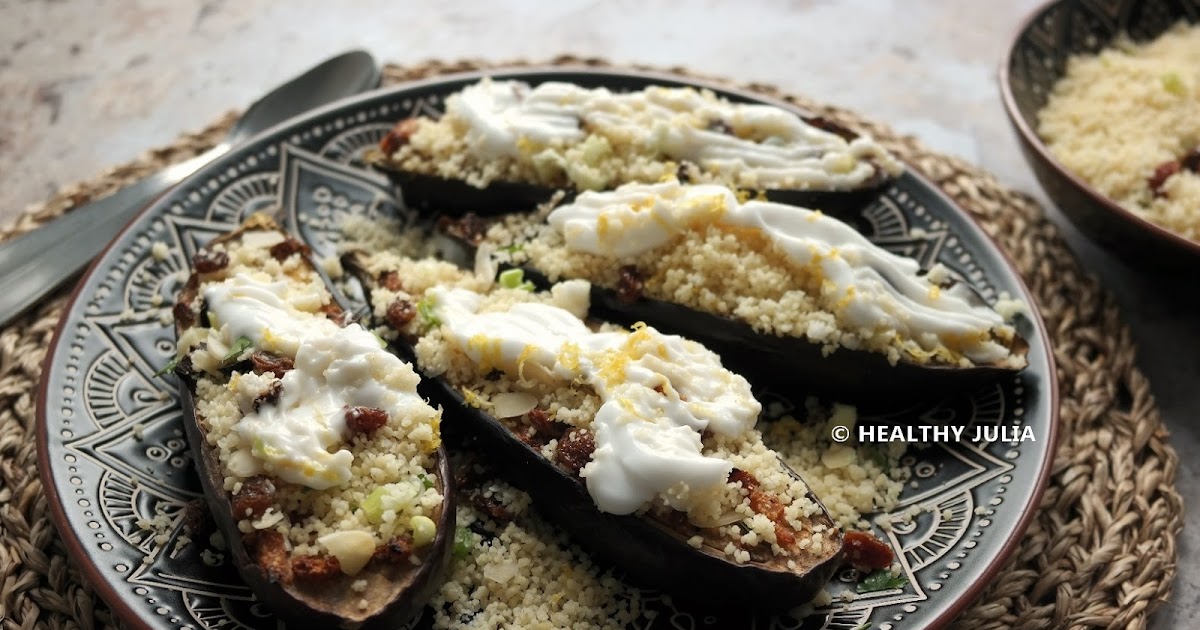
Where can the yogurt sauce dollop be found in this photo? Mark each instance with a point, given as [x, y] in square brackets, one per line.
[658, 393]
[301, 437]
[774, 147]
[870, 286]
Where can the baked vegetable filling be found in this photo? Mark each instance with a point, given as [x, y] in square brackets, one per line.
[651, 423]
[326, 448]
[560, 134]
[782, 269]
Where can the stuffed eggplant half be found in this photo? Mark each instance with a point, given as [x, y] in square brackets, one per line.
[640, 444]
[792, 292]
[322, 466]
[509, 145]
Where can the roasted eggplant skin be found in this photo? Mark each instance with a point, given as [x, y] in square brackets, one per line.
[648, 552]
[395, 593]
[861, 377]
[456, 197]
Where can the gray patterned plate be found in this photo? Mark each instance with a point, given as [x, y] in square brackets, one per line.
[118, 472]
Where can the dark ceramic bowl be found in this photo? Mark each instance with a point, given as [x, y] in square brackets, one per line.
[1036, 59]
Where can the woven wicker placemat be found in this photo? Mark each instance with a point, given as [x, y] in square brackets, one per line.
[1099, 553]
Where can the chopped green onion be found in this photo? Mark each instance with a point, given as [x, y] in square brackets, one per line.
[425, 481]
[515, 247]
[170, 366]
[866, 625]
[515, 279]
[881, 580]
[262, 450]
[428, 314]
[212, 320]
[380, 340]
[1174, 84]
[372, 506]
[239, 346]
[464, 541]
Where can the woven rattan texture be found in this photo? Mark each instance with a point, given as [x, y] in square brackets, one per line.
[1099, 553]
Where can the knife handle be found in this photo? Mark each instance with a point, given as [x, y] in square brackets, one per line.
[38, 262]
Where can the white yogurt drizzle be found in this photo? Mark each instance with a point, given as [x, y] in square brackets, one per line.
[770, 146]
[647, 441]
[872, 288]
[335, 367]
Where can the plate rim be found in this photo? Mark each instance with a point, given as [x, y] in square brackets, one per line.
[122, 609]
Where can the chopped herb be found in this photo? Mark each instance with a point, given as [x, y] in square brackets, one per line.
[379, 340]
[515, 279]
[866, 625]
[876, 454]
[212, 320]
[168, 367]
[1173, 84]
[428, 314]
[515, 247]
[238, 348]
[881, 580]
[425, 481]
[463, 542]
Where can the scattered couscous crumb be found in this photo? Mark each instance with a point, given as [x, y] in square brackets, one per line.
[160, 251]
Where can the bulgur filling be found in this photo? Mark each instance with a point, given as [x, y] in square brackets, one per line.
[1127, 120]
[649, 422]
[781, 269]
[326, 448]
[559, 134]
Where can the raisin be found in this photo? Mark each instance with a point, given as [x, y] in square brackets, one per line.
[866, 552]
[398, 136]
[1161, 174]
[396, 550]
[400, 312]
[266, 362]
[208, 262]
[281, 250]
[390, 280]
[545, 425]
[491, 506]
[468, 228]
[184, 317]
[269, 397]
[629, 284]
[771, 507]
[575, 450]
[365, 419]
[253, 498]
[331, 310]
[315, 568]
[749, 482]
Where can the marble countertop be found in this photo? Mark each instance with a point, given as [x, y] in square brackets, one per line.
[86, 85]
